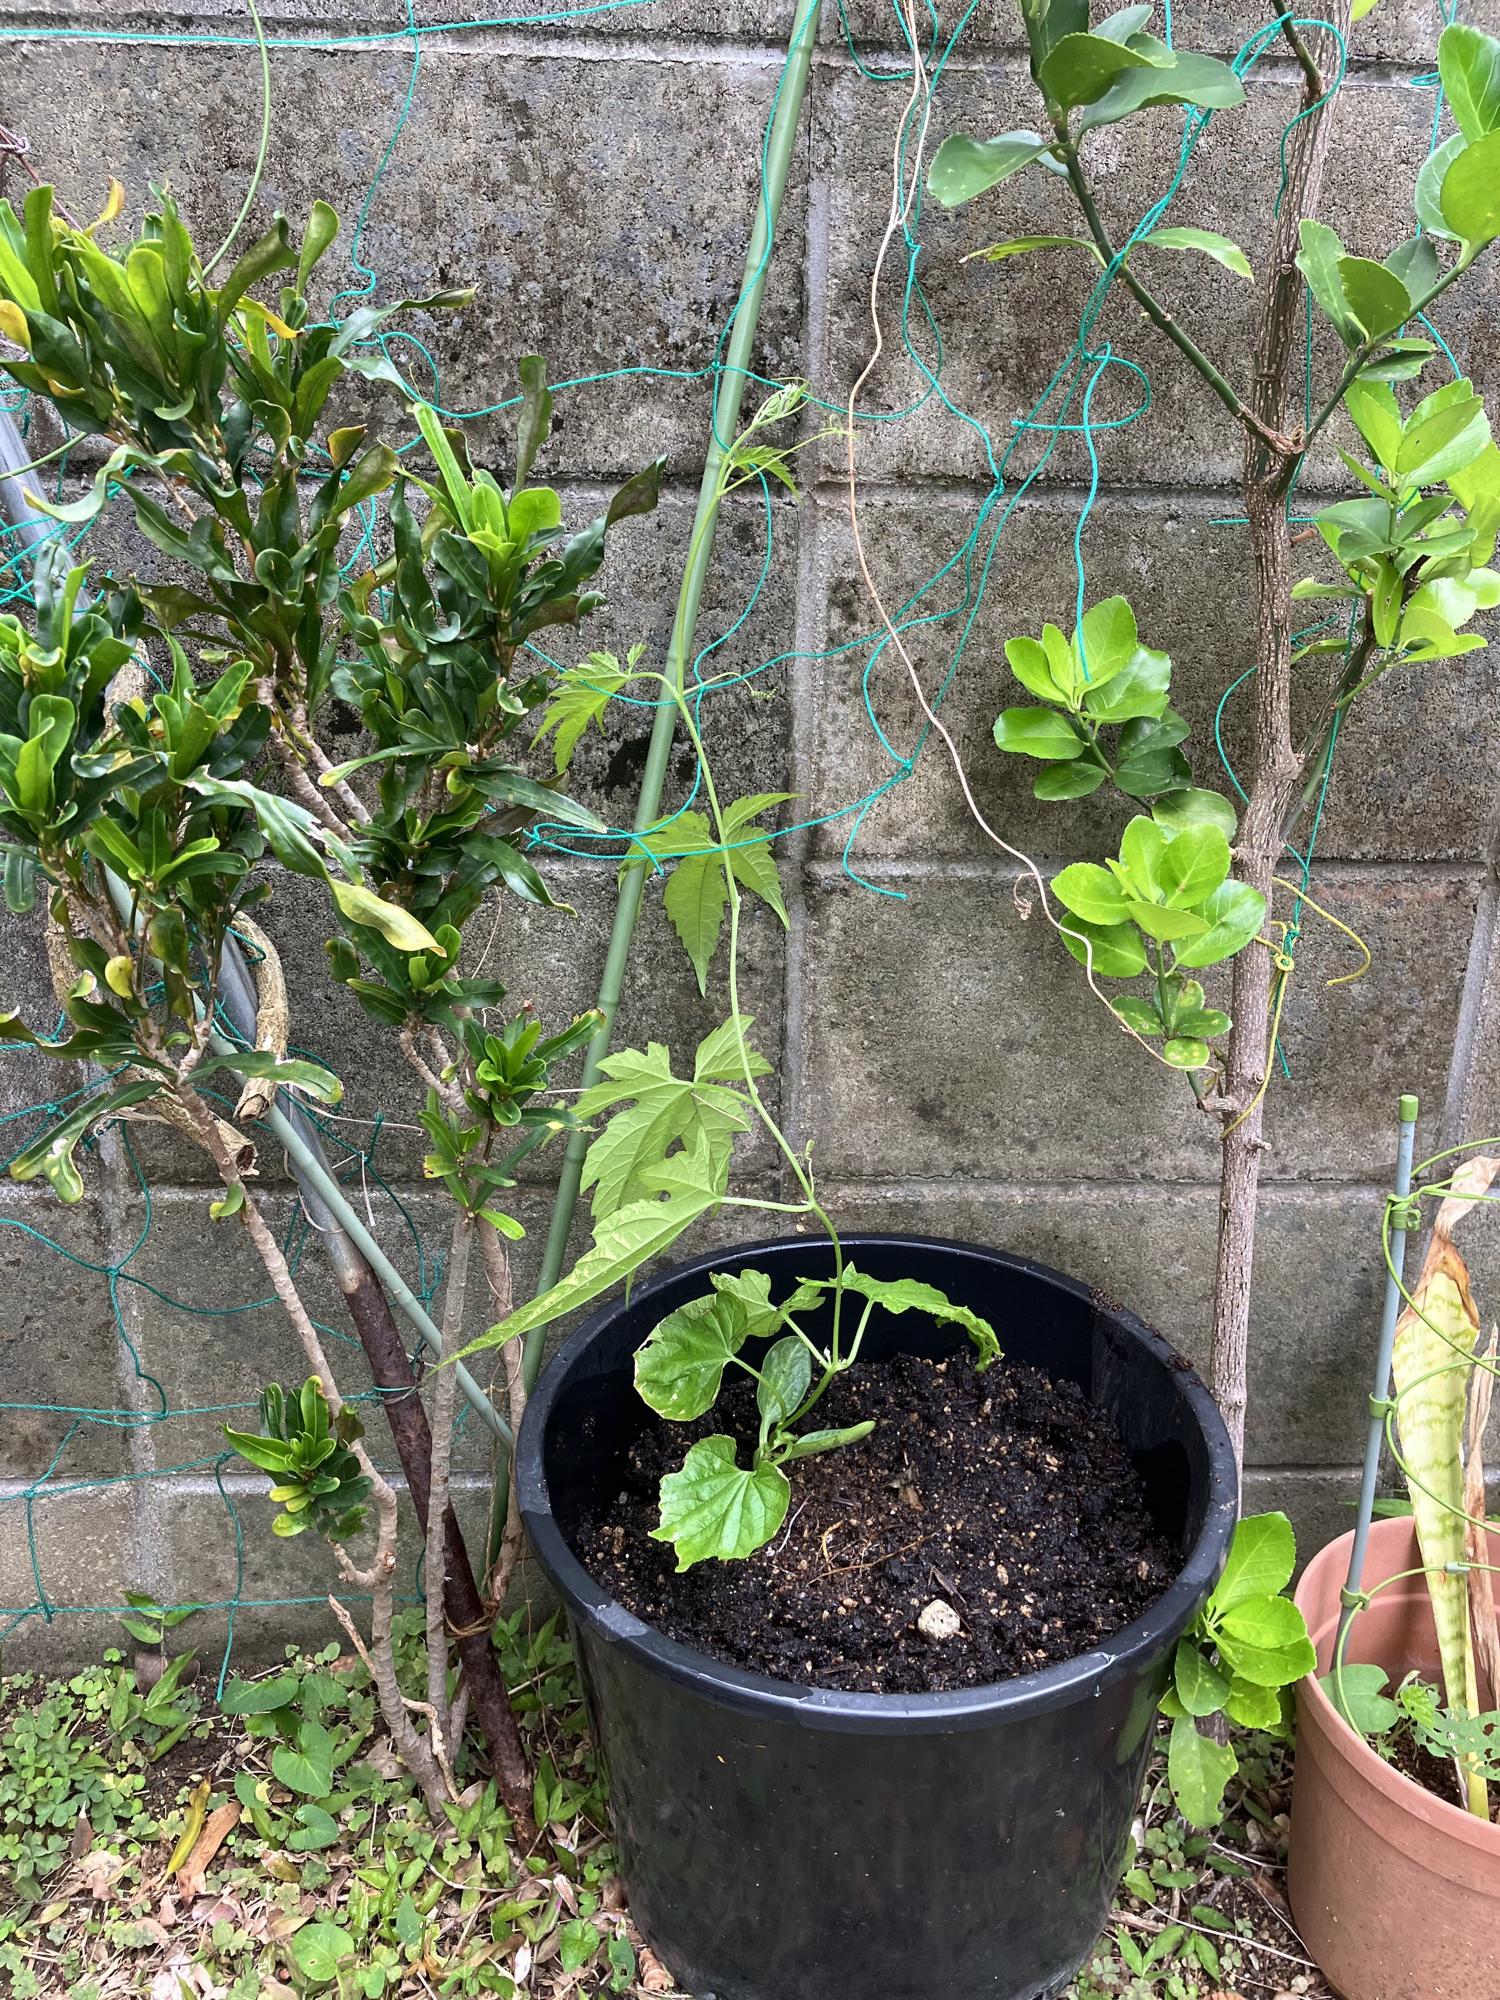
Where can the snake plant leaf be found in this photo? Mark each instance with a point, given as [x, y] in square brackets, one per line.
[1482, 1615]
[1431, 1360]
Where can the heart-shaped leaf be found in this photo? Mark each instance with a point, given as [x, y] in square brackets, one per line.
[713, 1507]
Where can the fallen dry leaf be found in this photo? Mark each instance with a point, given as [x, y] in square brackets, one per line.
[99, 1870]
[655, 1977]
[522, 1965]
[384, 1762]
[216, 1829]
[83, 1837]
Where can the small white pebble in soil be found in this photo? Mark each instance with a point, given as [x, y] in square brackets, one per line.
[939, 1621]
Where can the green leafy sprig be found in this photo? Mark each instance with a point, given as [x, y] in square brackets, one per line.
[1248, 1645]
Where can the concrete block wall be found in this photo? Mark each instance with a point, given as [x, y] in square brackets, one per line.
[598, 178]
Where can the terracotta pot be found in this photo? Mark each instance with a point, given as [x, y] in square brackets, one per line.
[1396, 1893]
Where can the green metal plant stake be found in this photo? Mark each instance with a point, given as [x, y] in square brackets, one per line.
[726, 412]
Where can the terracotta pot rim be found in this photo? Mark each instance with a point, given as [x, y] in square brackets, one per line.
[1392, 1542]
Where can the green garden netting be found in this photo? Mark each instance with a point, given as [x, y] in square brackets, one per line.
[945, 606]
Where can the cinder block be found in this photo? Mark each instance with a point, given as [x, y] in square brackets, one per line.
[947, 1038]
[76, 1548]
[1398, 31]
[621, 248]
[1317, 1282]
[384, 24]
[1411, 776]
[1006, 327]
[214, 1334]
[72, 1397]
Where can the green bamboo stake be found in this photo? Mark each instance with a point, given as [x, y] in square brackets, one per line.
[726, 415]
[727, 402]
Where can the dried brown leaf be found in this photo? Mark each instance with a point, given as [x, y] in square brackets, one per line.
[216, 1829]
[1470, 1184]
[655, 1977]
[99, 1870]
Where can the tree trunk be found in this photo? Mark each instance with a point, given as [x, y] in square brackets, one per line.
[467, 1617]
[1276, 767]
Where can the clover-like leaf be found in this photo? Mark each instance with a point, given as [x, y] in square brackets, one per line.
[1358, 1692]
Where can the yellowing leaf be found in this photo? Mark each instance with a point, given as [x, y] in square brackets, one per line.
[397, 926]
[13, 323]
[1431, 1362]
[114, 202]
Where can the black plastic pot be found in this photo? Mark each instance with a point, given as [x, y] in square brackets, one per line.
[785, 1843]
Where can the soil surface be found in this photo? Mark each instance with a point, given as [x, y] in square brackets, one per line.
[1006, 1496]
[1433, 1774]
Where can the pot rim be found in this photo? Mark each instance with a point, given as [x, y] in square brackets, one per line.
[1392, 1548]
[1160, 1625]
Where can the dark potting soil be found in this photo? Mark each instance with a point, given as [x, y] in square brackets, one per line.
[1007, 1496]
[1433, 1774]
